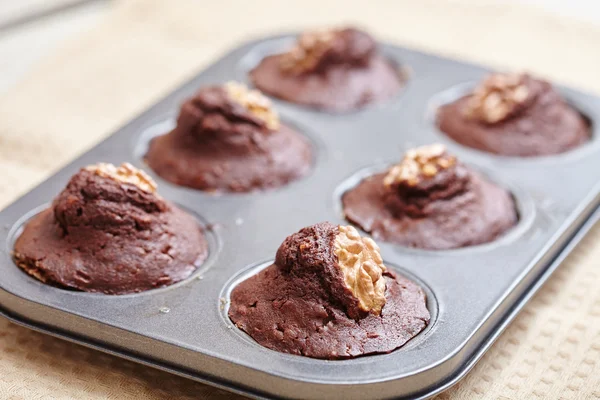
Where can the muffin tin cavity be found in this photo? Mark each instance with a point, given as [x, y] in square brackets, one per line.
[253, 269]
[456, 92]
[141, 142]
[213, 243]
[524, 204]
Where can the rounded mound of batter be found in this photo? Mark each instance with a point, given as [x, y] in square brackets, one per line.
[110, 232]
[333, 70]
[229, 139]
[329, 295]
[430, 201]
[514, 115]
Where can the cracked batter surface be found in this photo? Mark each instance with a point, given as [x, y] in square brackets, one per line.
[229, 139]
[431, 200]
[108, 235]
[334, 70]
[302, 305]
[524, 118]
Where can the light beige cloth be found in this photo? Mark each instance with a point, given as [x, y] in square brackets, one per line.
[143, 49]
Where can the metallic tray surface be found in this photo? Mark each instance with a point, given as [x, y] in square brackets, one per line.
[472, 293]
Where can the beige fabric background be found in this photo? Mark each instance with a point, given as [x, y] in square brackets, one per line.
[144, 48]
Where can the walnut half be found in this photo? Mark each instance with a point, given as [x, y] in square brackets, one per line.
[497, 98]
[307, 52]
[419, 164]
[126, 173]
[255, 102]
[362, 266]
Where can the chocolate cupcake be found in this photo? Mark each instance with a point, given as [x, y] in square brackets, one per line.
[514, 115]
[329, 295]
[109, 231]
[229, 138]
[430, 200]
[334, 70]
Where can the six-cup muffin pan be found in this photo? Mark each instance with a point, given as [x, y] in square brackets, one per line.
[473, 293]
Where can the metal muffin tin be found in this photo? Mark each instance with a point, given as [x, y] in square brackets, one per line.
[473, 293]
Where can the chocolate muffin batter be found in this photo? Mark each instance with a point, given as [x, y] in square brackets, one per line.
[334, 70]
[110, 232]
[329, 295]
[514, 115]
[430, 201]
[229, 139]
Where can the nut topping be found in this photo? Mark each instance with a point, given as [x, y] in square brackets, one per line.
[126, 173]
[255, 102]
[419, 164]
[306, 54]
[498, 97]
[362, 267]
